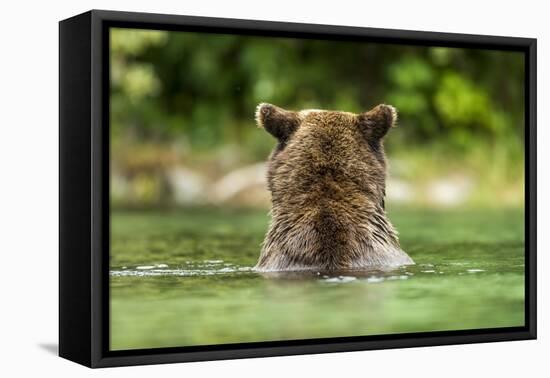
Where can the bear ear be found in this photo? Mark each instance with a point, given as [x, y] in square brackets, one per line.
[376, 122]
[278, 122]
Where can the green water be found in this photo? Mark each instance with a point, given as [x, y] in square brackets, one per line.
[183, 278]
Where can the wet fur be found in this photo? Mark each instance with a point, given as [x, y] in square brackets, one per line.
[327, 180]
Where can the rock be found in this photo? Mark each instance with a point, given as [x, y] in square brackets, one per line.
[399, 191]
[244, 186]
[187, 186]
[450, 191]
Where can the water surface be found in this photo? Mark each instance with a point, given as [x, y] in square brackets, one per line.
[184, 277]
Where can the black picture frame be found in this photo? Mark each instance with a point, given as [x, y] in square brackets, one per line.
[84, 189]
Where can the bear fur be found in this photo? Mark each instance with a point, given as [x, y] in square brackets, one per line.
[327, 178]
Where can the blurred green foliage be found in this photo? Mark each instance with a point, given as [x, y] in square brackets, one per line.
[205, 87]
[197, 93]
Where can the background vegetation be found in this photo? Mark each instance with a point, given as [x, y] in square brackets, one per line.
[183, 132]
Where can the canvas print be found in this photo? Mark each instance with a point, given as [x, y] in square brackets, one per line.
[273, 189]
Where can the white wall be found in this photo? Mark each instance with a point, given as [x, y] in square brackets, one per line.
[28, 189]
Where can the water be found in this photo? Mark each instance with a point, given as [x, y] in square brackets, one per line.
[184, 278]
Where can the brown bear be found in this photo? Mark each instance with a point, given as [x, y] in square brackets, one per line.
[327, 178]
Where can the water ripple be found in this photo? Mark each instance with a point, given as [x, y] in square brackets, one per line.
[218, 267]
[205, 268]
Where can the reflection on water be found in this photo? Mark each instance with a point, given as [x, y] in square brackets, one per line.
[181, 280]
